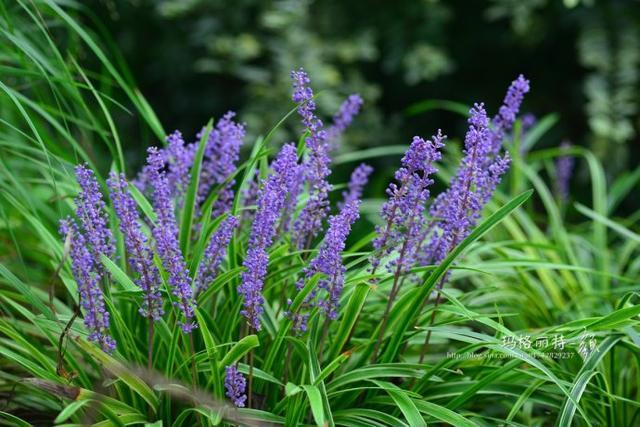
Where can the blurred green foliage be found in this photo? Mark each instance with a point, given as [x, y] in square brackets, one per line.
[608, 47]
[197, 58]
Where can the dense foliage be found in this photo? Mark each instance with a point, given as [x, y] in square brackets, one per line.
[583, 55]
[234, 278]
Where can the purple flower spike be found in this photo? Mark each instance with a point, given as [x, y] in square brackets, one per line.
[472, 187]
[291, 203]
[91, 212]
[529, 120]
[235, 386]
[271, 200]
[177, 159]
[215, 251]
[329, 258]
[343, 118]
[140, 255]
[328, 261]
[316, 165]
[180, 158]
[564, 170]
[87, 276]
[165, 232]
[403, 212]
[359, 178]
[221, 154]
[503, 121]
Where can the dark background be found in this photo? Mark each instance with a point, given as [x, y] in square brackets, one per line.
[195, 59]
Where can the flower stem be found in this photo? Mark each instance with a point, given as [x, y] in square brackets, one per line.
[250, 391]
[392, 296]
[423, 352]
[325, 333]
[287, 363]
[150, 345]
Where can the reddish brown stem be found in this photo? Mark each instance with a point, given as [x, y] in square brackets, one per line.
[392, 296]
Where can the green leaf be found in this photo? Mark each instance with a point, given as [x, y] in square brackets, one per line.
[315, 402]
[588, 371]
[615, 319]
[434, 277]
[618, 228]
[443, 414]
[15, 421]
[404, 402]
[291, 389]
[189, 205]
[143, 203]
[69, 410]
[438, 104]
[241, 348]
[134, 382]
[120, 276]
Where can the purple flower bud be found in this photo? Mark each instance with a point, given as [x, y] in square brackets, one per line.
[235, 386]
[503, 121]
[271, 200]
[564, 170]
[165, 232]
[403, 212]
[139, 252]
[358, 180]
[91, 212]
[528, 121]
[221, 154]
[479, 173]
[295, 188]
[87, 276]
[316, 165]
[180, 158]
[343, 118]
[214, 252]
[177, 159]
[329, 258]
[250, 196]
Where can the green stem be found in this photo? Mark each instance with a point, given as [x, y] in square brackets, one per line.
[250, 392]
[150, 345]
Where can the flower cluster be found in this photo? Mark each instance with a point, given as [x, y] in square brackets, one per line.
[328, 261]
[460, 205]
[88, 243]
[358, 180]
[91, 212]
[403, 212]
[87, 276]
[176, 159]
[222, 151]
[214, 253]
[329, 258]
[165, 233]
[457, 210]
[219, 164]
[140, 254]
[315, 166]
[343, 118]
[235, 386]
[405, 238]
[503, 121]
[271, 200]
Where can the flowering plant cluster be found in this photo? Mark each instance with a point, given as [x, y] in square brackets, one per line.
[199, 231]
